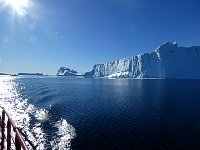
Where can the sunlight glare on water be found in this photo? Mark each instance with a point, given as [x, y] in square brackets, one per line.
[30, 119]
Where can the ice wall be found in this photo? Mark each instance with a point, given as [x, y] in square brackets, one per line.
[167, 61]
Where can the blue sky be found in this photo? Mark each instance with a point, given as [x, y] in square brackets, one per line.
[43, 35]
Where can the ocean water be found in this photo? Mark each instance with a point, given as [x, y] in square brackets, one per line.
[104, 114]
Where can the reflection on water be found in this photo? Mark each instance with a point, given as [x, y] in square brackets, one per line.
[107, 113]
[31, 120]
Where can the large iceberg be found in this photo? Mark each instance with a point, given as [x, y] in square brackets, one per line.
[168, 61]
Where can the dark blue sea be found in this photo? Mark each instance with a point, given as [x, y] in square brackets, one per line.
[104, 114]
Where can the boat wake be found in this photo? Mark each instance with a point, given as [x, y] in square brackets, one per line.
[37, 126]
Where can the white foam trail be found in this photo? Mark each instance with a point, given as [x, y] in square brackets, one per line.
[21, 111]
[65, 134]
[42, 115]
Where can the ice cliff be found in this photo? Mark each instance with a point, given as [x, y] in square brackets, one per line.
[168, 61]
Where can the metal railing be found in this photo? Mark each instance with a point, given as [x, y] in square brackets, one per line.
[18, 141]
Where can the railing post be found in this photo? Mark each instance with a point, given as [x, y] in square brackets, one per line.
[8, 135]
[17, 144]
[3, 130]
[19, 141]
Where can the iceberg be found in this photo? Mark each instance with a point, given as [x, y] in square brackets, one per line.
[168, 61]
[64, 71]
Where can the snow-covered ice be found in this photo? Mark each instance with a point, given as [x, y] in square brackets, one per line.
[168, 61]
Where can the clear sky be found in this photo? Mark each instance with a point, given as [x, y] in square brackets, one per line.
[42, 35]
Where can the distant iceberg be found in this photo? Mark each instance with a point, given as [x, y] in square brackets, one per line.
[64, 71]
[168, 61]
